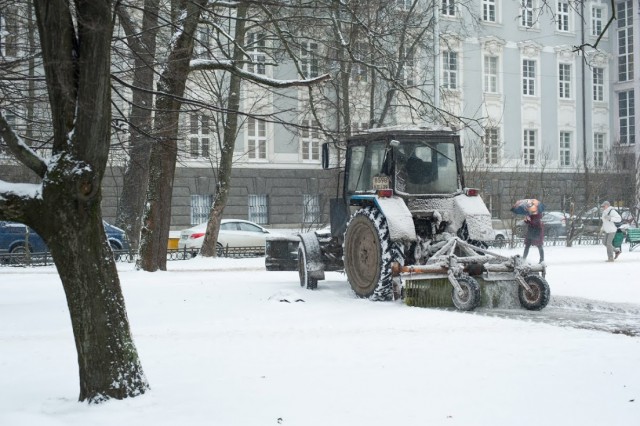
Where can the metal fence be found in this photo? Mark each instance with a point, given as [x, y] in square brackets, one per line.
[45, 259]
[550, 242]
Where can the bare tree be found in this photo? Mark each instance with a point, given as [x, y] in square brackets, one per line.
[169, 100]
[64, 206]
[142, 43]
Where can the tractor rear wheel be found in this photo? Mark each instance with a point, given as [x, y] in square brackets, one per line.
[368, 254]
[539, 296]
[469, 298]
[305, 280]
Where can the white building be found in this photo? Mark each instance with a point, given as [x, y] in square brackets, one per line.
[540, 99]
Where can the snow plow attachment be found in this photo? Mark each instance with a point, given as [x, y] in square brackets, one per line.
[465, 276]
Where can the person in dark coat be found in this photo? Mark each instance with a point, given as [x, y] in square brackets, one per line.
[535, 235]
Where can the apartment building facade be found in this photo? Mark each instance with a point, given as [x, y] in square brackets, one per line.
[547, 113]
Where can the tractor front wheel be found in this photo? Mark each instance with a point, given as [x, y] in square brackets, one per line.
[469, 298]
[539, 295]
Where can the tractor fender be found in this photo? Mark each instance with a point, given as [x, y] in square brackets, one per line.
[399, 218]
[314, 264]
[473, 210]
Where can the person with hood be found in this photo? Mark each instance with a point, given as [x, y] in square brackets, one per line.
[535, 234]
[609, 219]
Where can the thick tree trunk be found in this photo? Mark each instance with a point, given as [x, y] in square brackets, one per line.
[76, 44]
[157, 216]
[107, 358]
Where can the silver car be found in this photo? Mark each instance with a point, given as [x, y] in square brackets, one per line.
[234, 233]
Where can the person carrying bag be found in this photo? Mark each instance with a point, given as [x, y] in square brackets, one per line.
[609, 219]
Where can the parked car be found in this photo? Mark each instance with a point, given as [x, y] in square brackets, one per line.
[17, 239]
[555, 224]
[234, 233]
[502, 232]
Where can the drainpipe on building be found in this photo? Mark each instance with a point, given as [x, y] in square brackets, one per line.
[584, 108]
[636, 87]
[436, 52]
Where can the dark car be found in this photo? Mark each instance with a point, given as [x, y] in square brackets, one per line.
[555, 225]
[16, 239]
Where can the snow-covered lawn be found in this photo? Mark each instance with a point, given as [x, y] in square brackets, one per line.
[219, 347]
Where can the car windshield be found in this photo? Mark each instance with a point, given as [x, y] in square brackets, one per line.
[426, 168]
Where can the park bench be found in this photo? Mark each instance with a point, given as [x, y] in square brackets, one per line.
[633, 237]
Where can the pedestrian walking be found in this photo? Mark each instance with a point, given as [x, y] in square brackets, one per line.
[535, 235]
[609, 219]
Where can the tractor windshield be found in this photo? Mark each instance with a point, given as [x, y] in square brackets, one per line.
[426, 168]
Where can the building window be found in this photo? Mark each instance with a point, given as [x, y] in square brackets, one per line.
[491, 74]
[526, 13]
[202, 43]
[597, 20]
[358, 127]
[625, 40]
[9, 25]
[489, 11]
[528, 77]
[256, 139]
[449, 7]
[199, 136]
[309, 59]
[404, 4]
[3, 36]
[562, 16]
[310, 140]
[565, 149]
[598, 84]
[359, 71]
[529, 147]
[256, 47]
[491, 143]
[493, 204]
[310, 208]
[450, 70]
[598, 149]
[564, 81]
[626, 117]
[200, 208]
[407, 67]
[258, 208]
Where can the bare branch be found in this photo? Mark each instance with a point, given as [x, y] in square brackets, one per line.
[200, 65]
[22, 151]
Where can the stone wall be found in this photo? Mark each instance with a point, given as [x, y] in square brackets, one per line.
[285, 187]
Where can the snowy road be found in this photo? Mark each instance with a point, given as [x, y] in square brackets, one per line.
[563, 311]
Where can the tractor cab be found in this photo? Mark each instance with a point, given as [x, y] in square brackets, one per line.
[410, 164]
[415, 165]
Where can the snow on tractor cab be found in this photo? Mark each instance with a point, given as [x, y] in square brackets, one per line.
[405, 224]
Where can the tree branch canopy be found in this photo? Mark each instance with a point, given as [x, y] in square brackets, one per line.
[214, 65]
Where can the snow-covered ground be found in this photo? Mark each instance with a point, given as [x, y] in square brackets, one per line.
[220, 347]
